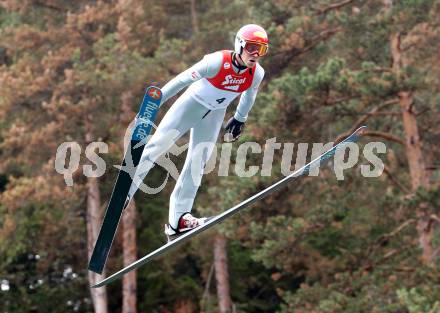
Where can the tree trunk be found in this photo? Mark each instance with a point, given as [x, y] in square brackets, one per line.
[194, 18]
[414, 152]
[221, 274]
[129, 246]
[94, 217]
[413, 143]
[129, 286]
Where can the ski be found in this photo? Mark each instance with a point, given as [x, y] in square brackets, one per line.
[219, 218]
[144, 121]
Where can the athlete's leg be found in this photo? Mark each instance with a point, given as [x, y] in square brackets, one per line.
[183, 114]
[202, 141]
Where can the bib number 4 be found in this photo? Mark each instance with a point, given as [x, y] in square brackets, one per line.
[220, 100]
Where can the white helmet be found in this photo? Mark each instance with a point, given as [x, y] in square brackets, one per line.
[253, 38]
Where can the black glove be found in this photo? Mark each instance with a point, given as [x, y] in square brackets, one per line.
[233, 129]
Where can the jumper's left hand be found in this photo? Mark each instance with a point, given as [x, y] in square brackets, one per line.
[233, 129]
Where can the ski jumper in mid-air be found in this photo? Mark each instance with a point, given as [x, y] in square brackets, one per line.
[214, 82]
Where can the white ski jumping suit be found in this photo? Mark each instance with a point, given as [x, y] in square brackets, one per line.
[214, 83]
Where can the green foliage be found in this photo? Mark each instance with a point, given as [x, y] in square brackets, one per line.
[319, 245]
[419, 299]
[9, 19]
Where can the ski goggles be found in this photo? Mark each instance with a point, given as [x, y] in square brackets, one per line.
[255, 47]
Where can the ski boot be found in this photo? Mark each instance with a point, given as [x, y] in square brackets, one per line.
[186, 223]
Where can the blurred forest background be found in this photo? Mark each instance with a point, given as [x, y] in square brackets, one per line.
[76, 71]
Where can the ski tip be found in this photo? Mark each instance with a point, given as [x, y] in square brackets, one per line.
[154, 92]
[104, 281]
[354, 136]
[361, 129]
[359, 132]
[98, 285]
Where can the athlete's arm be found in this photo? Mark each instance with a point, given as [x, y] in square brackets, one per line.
[247, 98]
[207, 67]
